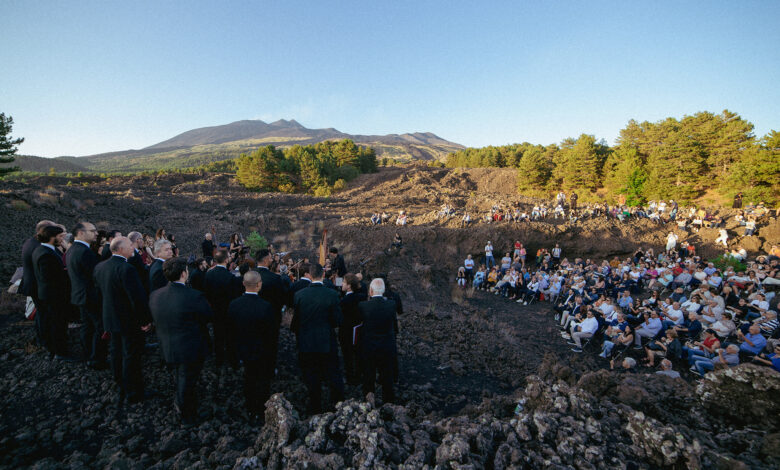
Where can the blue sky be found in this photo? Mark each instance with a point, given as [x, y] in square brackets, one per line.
[87, 77]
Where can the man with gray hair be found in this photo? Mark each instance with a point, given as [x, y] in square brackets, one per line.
[666, 369]
[378, 340]
[163, 251]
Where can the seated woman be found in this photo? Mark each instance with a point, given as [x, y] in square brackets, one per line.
[623, 339]
[479, 278]
[461, 277]
[492, 279]
[669, 347]
[702, 349]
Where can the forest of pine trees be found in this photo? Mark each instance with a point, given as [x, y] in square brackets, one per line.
[670, 159]
[318, 169]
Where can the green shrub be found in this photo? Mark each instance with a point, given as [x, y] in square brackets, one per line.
[339, 185]
[256, 242]
[19, 205]
[722, 262]
[323, 191]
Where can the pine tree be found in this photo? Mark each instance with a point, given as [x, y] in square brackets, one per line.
[8, 145]
[533, 170]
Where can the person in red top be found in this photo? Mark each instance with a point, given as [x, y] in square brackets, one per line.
[702, 349]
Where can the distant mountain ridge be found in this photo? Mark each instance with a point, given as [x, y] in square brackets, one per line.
[208, 144]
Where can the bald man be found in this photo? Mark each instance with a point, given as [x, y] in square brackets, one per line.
[125, 316]
[252, 324]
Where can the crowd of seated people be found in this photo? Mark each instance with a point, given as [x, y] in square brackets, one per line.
[692, 315]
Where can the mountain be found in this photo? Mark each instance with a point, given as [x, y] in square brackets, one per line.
[208, 144]
[44, 165]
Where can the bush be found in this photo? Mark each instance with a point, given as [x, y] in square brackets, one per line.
[722, 262]
[339, 185]
[323, 191]
[256, 242]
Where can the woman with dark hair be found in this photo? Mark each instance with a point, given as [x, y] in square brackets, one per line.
[160, 235]
[236, 244]
[174, 248]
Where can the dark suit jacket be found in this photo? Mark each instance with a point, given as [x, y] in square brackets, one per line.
[339, 266]
[156, 276]
[379, 320]
[81, 261]
[125, 304]
[50, 277]
[28, 286]
[180, 314]
[138, 263]
[198, 280]
[301, 283]
[352, 318]
[273, 291]
[221, 288]
[252, 324]
[317, 313]
[105, 252]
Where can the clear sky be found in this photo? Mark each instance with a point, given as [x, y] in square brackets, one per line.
[85, 77]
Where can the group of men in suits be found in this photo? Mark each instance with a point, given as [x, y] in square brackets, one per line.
[119, 300]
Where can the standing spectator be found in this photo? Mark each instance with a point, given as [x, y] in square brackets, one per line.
[125, 317]
[317, 315]
[85, 295]
[573, 202]
[252, 324]
[53, 292]
[468, 264]
[221, 287]
[489, 260]
[378, 340]
[180, 314]
[671, 242]
[737, 201]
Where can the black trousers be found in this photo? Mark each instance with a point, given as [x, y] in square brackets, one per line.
[352, 368]
[186, 375]
[51, 323]
[94, 347]
[257, 384]
[384, 363]
[224, 352]
[317, 368]
[126, 357]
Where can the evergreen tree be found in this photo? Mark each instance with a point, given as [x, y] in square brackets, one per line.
[8, 145]
[624, 173]
[676, 165]
[533, 171]
[259, 171]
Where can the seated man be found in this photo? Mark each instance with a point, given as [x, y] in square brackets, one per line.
[666, 369]
[691, 328]
[753, 342]
[771, 360]
[648, 329]
[728, 357]
[585, 329]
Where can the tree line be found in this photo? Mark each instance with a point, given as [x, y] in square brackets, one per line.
[318, 169]
[669, 159]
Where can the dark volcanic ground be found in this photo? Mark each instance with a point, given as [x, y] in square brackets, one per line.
[465, 359]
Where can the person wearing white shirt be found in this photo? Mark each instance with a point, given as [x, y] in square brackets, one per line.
[586, 329]
[489, 260]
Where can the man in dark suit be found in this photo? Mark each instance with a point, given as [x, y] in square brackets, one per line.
[221, 288]
[349, 309]
[137, 260]
[338, 266]
[252, 324]
[378, 340]
[317, 314]
[53, 291]
[180, 314]
[274, 292]
[125, 317]
[105, 252]
[163, 251]
[303, 282]
[84, 294]
[197, 279]
[28, 285]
